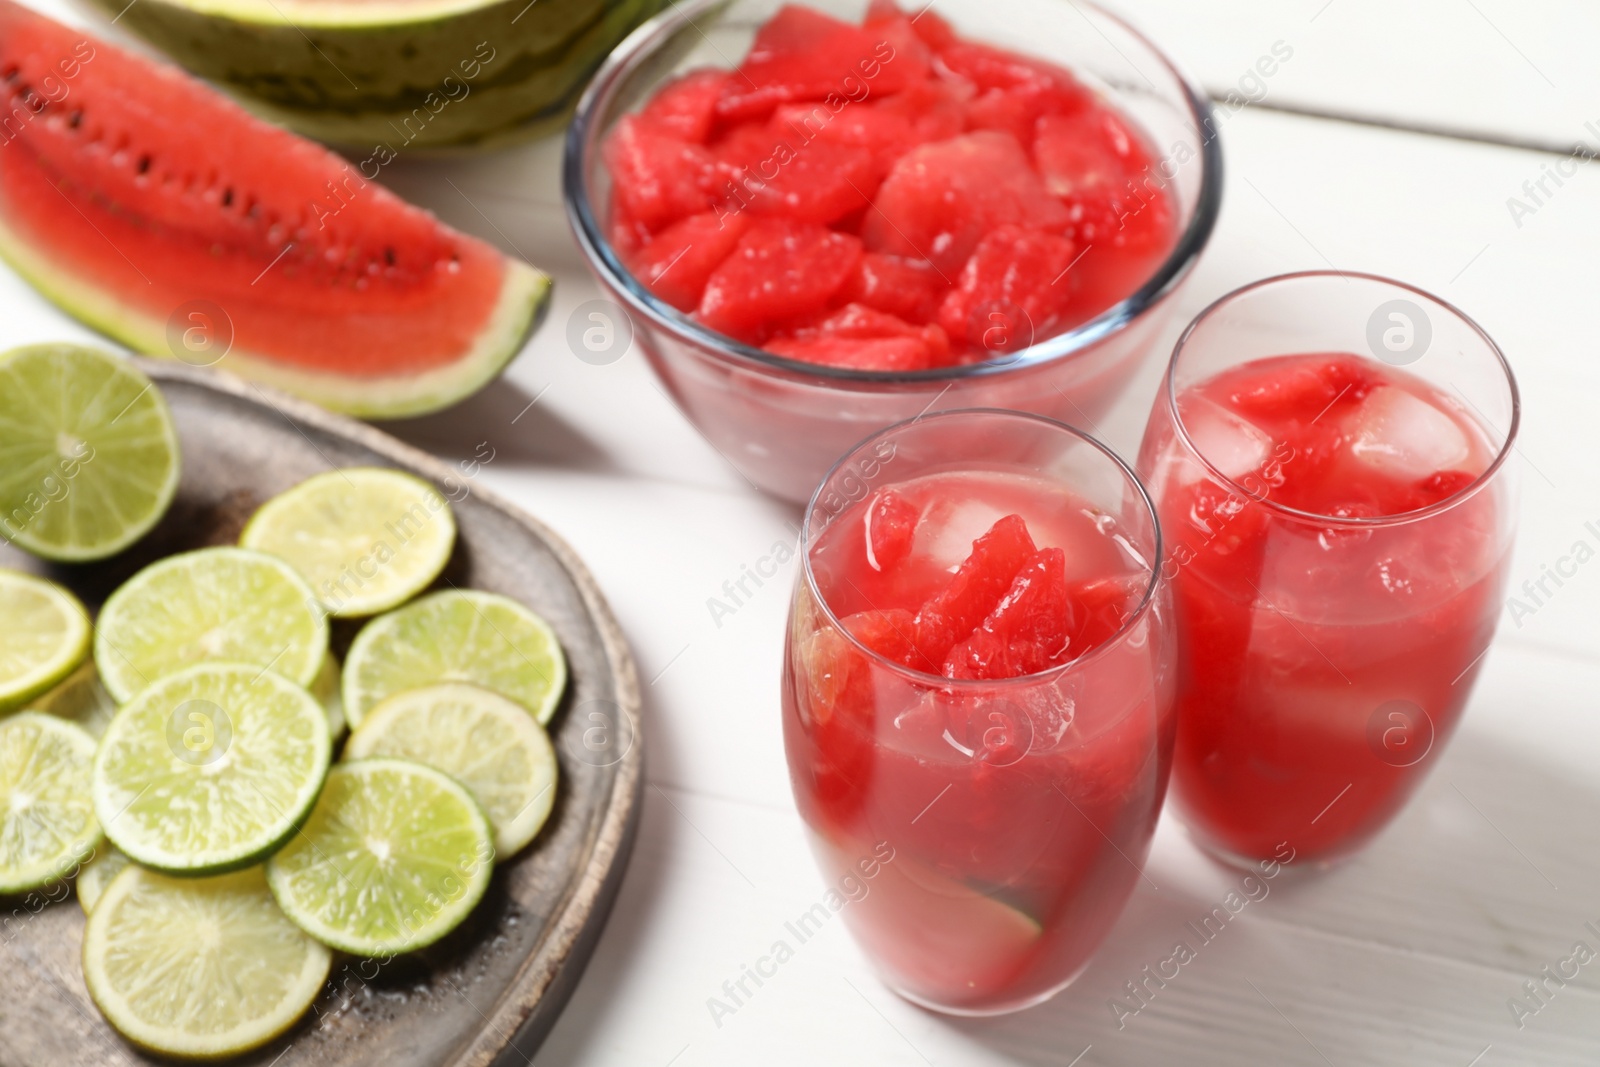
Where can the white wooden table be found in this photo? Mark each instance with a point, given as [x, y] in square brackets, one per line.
[1390, 142]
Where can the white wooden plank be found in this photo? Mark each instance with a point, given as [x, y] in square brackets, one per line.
[660, 554]
[1517, 72]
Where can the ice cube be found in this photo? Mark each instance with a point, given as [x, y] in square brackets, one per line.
[1406, 437]
[1229, 442]
[948, 528]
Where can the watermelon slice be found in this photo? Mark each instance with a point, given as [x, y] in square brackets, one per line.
[131, 194]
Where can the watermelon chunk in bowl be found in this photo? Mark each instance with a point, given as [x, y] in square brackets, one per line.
[973, 280]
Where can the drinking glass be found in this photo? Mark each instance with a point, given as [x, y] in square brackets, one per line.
[1324, 660]
[981, 837]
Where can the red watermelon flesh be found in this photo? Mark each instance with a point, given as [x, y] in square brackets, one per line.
[891, 530]
[858, 336]
[883, 135]
[860, 321]
[935, 109]
[820, 182]
[934, 31]
[909, 289]
[876, 353]
[802, 54]
[942, 198]
[967, 179]
[780, 270]
[687, 108]
[988, 67]
[678, 261]
[977, 588]
[1020, 275]
[1087, 152]
[129, 189]
[1020, 110]
[659, 177]
[1026, 632]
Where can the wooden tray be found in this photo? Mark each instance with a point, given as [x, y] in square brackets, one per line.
[490, 992]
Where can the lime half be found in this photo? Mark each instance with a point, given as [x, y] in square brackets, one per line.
[44, 635]
[198, 967]
[47, 823]
[97, 874]
[211, 768]
[88, 456]
[488, 743]
[456, 636]
[394, 856]
[367, 539]
[216, 604]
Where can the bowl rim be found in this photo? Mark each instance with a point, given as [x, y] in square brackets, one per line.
[605, 262]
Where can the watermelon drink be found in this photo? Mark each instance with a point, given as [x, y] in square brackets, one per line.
[1327, 459]
[977, 701]
[875, 210]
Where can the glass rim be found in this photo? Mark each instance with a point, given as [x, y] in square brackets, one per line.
[1365, 522]
[603, 259]
[1146, 599]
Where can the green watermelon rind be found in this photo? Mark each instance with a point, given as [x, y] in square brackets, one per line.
[524, 295]
[362, 74]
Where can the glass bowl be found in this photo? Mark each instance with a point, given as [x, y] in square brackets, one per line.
[782, 422]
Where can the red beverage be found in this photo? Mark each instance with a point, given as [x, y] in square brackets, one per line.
[976, 688]
[1337, 552]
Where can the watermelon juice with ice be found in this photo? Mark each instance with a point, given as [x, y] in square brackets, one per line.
[976, 685]
[1337, 564]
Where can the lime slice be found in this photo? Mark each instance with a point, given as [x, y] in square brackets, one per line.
[325, 687]
[44, 635]
[198, 967]
[952, 943]
[394, 856]
[456, 636]
[217, 604]
[47, 823]
[81, 699]
[486, 742]
[211, 768]
[97, 874]
[88, 455]
[367, 539]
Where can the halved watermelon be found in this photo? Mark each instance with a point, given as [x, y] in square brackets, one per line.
[131, 193]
